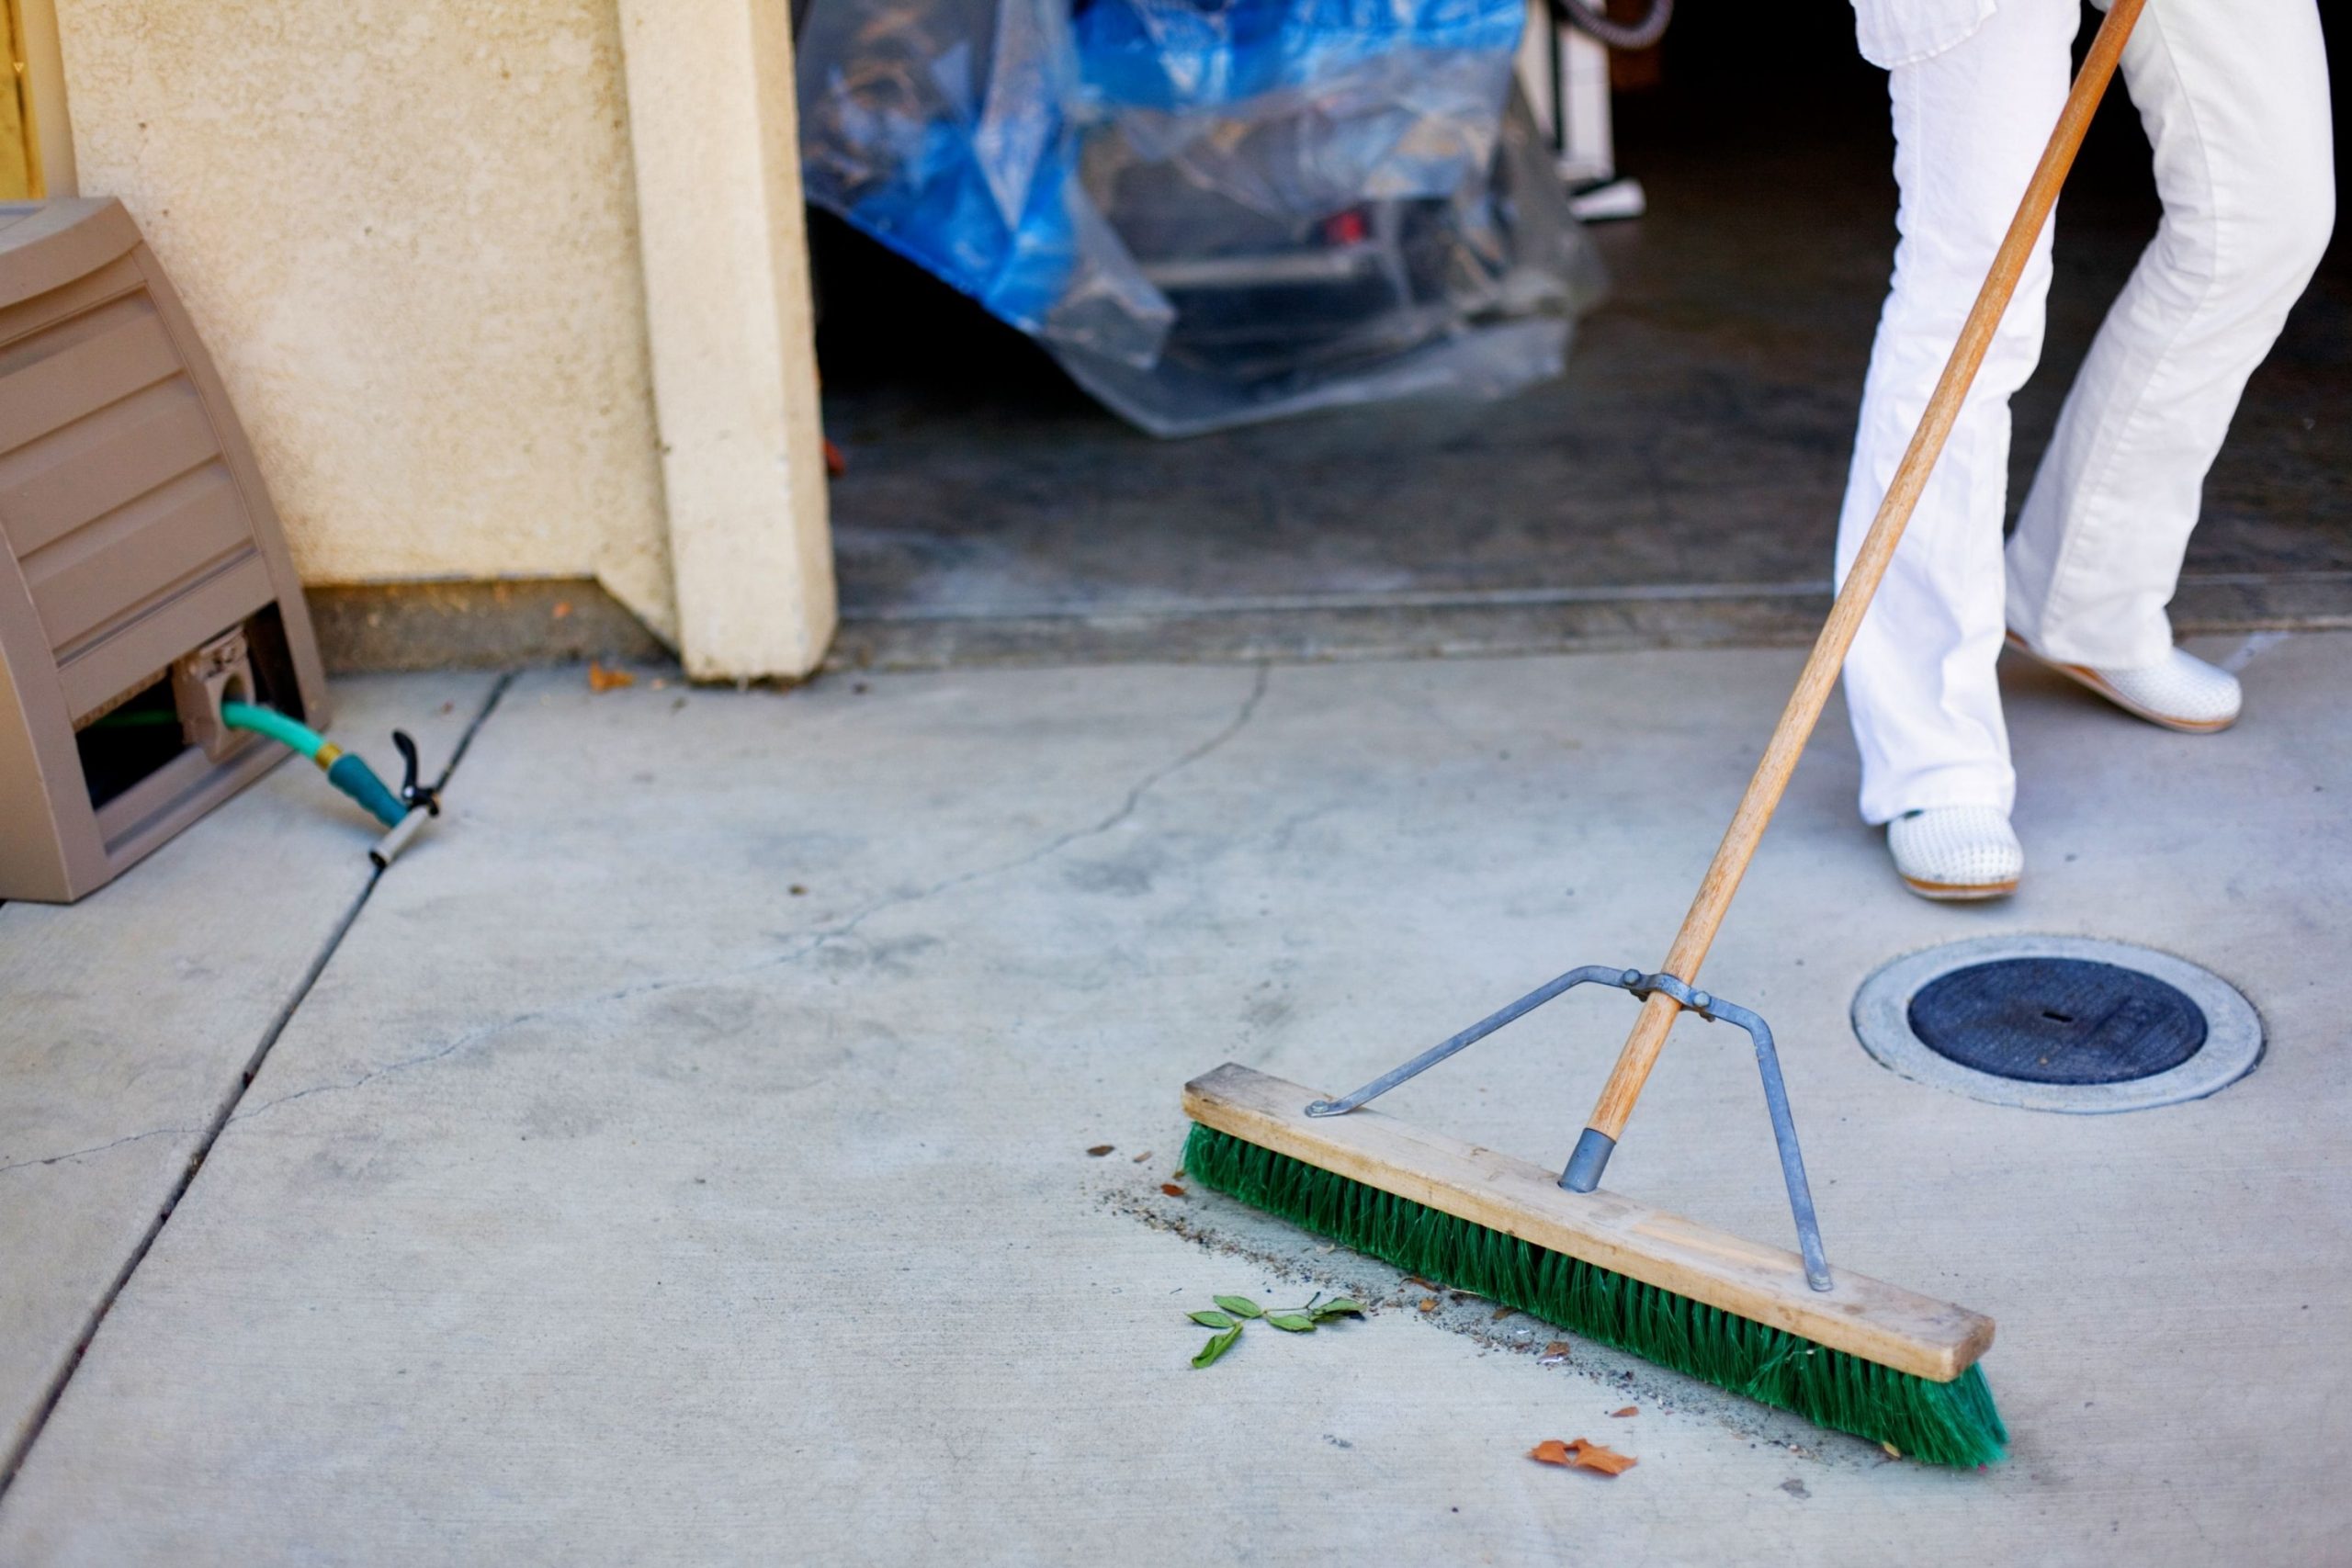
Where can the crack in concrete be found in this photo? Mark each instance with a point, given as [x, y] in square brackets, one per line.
[278, 1023]
[14, 1459]
[1126, 808]
[94, 1148]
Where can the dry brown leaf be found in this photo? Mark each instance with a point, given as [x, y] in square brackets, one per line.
[1503, 1313]
[1629, 1410]
[1608, 1461]
[1421, 1285]
[1558, 1350]
[1577, 1453]
[1429, 1304]
[1099, 1150]
[602, 679]
[1171, 1189]
[1143, 1156]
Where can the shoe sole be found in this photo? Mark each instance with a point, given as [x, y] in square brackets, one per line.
[1960, 892]
[2090, 680]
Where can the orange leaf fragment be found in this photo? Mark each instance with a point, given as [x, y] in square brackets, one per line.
[1629, 1410]
[1429, 1304]
[1099, 1150]
[1171, 1189]
[1577, 1453]
[602, 679]
[1608, 1461]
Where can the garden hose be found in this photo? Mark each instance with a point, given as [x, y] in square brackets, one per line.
[347, 772]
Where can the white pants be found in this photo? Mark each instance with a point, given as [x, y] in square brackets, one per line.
[2233, 97]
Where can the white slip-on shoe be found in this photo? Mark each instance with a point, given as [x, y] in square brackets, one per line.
[2182, 693]
[1956, 851]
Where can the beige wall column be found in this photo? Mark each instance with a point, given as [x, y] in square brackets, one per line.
[405, 231]
[716, 137]
[45, 78]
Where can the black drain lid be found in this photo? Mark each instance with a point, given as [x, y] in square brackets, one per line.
[2057, 1020]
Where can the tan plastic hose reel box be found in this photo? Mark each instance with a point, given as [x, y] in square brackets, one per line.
[144, 577]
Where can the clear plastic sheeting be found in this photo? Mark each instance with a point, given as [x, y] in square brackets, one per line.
[1210, 213]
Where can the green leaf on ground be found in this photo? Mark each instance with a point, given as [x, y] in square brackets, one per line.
[1217, 1346]
[1208, 1319]
[1240, 1306]
[1339, 1306]
[1292, 1322]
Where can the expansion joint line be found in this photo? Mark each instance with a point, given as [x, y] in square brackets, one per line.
[14, 1459]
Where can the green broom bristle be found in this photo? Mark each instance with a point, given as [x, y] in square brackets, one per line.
[1943, 1423]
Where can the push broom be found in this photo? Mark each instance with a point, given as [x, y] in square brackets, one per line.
[1842, 1350]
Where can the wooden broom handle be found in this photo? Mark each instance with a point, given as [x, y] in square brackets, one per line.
[1764, 790]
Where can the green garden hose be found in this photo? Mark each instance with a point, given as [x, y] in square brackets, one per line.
[344, 771]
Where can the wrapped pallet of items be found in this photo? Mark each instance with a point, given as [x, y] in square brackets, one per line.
[1211, 213]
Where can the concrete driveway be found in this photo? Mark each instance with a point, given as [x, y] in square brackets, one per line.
[682, 1154]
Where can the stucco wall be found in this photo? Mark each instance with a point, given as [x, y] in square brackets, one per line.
[406, 230]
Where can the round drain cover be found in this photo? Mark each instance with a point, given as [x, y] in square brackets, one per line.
[2058, 1024]
[2057, 1020]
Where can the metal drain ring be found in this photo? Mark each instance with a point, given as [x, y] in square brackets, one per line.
[1881, 1017]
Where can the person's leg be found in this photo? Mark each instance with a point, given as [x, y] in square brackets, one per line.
[2235, 99]
[1969, 125]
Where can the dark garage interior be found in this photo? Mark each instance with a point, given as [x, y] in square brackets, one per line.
[1679, 485]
